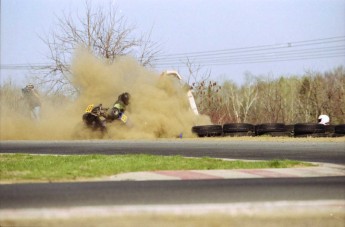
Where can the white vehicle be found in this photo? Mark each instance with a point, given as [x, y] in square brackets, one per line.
[189, 93]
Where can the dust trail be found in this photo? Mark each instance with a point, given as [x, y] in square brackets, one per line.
[159, 106]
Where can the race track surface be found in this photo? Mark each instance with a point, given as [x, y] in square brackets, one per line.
[328, 152]
[99, 193]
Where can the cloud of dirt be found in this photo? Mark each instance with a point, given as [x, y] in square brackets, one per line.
[159, 106]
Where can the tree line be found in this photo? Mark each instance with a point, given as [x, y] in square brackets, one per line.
[289, 100]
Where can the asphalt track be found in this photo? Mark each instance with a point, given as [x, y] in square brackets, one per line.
[327, 152]
[40, 195]
[170, 192]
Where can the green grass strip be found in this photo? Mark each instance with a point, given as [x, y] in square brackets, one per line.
[69, 167]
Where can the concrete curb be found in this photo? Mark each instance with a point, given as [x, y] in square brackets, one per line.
[323, 170]
[320, 170]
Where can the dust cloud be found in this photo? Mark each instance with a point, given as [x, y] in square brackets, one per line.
[158, 108]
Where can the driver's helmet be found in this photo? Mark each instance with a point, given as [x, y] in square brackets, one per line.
[323, 119]
[124, 97]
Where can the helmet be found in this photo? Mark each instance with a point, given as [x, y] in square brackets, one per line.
[30, 86]
[124, 97]
[323, 119]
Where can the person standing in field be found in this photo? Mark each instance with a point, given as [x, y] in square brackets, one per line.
[33, 100]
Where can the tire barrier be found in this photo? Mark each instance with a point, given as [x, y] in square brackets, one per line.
[313, 130]
[339, 130]
[238, 129]
[270, 129]
[208, 130]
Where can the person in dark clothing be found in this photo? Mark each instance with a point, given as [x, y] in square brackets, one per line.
[32, 99]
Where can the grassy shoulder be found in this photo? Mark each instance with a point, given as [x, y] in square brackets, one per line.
[26, 167]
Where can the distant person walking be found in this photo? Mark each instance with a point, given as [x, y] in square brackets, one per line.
[32, 99]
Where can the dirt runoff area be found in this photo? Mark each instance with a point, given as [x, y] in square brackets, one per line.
[281, 213]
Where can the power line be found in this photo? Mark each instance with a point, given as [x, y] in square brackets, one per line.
[333, 47]
[25, 66]
[258, 48]
[259, 51]
[183, 65]
[302, 50]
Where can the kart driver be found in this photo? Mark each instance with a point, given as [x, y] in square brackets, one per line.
[119, 107]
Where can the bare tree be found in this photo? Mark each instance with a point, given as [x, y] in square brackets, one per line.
[334, 96]
[104, 32]
[196, 73]
[249, 96]
[147, 50]
[323, 94]
[238, 102]
[231, 102]
[205, 91]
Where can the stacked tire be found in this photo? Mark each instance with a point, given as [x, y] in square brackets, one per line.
[319, 130]
[208, 130]
[339, 130]
[272, 129]
[238, 129]
[309, 130]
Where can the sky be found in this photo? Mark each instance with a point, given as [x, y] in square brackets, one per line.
[227, 38]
